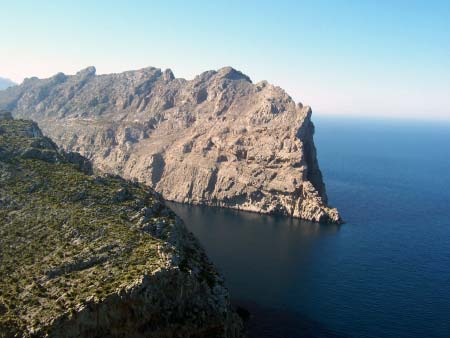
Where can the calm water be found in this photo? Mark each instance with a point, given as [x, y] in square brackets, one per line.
[385, 273]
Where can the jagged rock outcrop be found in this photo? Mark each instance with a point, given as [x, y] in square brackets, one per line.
[217, 140]
[96, 256]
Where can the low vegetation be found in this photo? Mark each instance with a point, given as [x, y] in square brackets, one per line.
[65, 236]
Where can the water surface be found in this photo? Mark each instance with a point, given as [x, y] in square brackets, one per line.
[385, 273]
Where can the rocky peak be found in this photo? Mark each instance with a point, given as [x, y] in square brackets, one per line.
[59, 77]
[87, 72]
[30, 79]
[205, 76]
[168, 75]
[232, 74]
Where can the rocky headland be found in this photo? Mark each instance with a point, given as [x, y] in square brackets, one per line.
[218, 139]
[84, 255]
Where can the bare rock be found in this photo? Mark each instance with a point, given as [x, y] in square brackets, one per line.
[216, 140]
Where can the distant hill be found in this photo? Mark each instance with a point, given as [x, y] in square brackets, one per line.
[5, 83]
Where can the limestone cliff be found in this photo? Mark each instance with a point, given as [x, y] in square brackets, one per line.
[95, 256]
[217, 140]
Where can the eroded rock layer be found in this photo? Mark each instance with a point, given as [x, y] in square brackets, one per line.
[86, 256]
[217, 140]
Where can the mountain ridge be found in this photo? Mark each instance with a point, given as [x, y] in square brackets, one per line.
[217, 139]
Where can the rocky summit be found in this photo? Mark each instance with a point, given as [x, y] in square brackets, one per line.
[216, 140]
[86, 256]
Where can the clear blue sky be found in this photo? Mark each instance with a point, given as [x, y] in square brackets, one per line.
[383, 58]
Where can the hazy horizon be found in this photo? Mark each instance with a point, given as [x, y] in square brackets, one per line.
[361, 59]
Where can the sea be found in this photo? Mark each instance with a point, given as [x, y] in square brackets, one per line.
[385, 273]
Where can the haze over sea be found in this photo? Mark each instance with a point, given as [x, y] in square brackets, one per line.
[385, 273]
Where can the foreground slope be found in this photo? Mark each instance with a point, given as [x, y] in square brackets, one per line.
[216, 140]
[90, 256]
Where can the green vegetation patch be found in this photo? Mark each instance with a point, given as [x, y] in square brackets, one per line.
[64, 236]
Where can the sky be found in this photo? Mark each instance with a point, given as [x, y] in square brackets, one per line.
[356, 58]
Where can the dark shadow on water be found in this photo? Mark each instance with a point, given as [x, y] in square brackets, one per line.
[266, 322]
[264, 260]
[245, 218]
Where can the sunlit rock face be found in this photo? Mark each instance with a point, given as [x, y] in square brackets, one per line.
[216, 140]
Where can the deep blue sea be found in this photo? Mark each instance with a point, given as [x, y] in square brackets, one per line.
[383, 274]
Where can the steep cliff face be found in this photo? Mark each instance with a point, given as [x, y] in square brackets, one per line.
[95, 256]
[217, 140]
